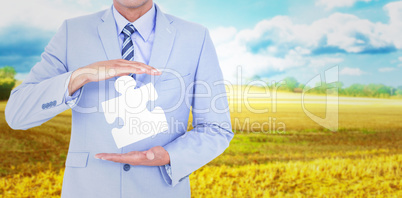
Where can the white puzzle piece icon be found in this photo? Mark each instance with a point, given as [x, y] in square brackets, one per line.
[131, 107]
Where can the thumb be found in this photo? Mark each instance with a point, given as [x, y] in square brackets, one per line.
[150, 155]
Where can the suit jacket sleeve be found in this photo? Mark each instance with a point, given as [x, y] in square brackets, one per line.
[212, 130]
[41, 96]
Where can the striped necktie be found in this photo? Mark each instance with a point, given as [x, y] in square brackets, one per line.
[128, 48]
[127, 51]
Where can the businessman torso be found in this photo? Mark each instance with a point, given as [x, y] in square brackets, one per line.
[185, 51]
[91, 133]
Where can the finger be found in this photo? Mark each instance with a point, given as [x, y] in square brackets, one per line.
[148, 69]
[152, 70]
[115, 157]
[104, 155]
[138, 64]
[99, 155]
[144, 68]
[150, 155]
[125, 70]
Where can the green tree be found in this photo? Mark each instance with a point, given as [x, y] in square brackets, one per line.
[7, 81]
[355, 90]
[7, 72]
[398, 91]
[291, 83]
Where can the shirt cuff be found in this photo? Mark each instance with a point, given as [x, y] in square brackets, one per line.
[71, 101]
[168, 170]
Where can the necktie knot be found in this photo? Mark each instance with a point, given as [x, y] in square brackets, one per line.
[128, 30]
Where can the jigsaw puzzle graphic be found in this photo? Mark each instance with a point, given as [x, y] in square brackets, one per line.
[137, 121]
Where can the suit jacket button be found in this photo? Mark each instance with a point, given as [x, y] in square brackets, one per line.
[126, 167]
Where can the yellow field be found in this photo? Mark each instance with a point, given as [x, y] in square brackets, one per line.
[362, 159]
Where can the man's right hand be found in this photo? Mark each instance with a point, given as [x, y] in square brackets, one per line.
[104, 70]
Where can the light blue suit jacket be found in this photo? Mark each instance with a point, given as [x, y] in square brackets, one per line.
[180, 46]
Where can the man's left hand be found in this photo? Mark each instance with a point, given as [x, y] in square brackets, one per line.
[155, 156]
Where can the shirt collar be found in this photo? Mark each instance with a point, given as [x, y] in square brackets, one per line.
[144, 25]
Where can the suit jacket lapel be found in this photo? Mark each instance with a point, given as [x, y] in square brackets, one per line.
[108, 35]
[164, 38]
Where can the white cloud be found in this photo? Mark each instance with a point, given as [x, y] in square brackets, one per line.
[84, 2]
[392, 31]
[343, 31]
[351, 71]
[330, 4]
[386, 69]
[278, 44]
[223, 34]
[43, 14]
[400, 59]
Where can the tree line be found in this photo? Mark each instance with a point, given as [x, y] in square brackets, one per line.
[354, 90]
[290, 84]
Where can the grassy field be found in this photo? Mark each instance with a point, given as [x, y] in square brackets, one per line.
[290, 156]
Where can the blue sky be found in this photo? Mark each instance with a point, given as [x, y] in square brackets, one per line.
[269, 38]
